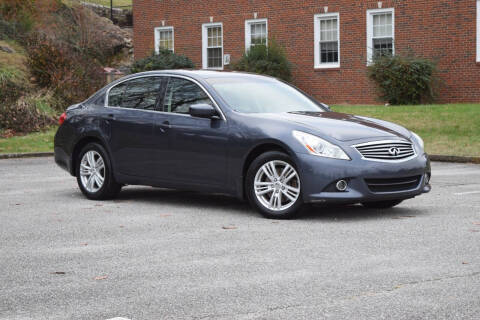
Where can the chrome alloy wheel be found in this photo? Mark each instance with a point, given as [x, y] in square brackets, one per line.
[92, 171]
[277, 185]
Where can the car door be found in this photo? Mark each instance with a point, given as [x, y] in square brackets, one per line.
[198, 147]
[131, 105]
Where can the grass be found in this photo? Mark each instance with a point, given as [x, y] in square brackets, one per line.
[116, 3]
[452, 129]
[33, 142]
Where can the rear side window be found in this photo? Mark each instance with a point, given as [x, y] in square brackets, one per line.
[181, 94]
[141, 93]
[115, 95]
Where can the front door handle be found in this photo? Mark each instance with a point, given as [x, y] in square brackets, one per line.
[110, 116]
[165, 125]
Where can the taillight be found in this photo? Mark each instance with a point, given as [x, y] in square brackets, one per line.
[62, 118]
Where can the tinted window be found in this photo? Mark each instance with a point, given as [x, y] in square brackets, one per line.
[115, 95]
[142, 93]
[181, 94]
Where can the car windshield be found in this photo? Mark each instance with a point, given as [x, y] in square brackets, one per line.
[257, 95]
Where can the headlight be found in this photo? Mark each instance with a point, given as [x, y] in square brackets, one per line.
[419, 140]
[320, 147]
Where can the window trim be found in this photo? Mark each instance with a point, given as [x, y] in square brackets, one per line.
[478, 31]
[317, 56]
[157, 37]
[219, 110]
[248, 31]
[205, 27]
[370, 14]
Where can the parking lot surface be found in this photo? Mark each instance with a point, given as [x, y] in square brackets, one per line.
[161, 254]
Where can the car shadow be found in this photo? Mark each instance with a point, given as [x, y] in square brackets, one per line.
[356, 212]
[231, 205]
[183, 198]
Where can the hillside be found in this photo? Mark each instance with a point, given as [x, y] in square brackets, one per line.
[52, 54]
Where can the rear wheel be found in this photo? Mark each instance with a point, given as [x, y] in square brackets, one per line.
[94, 173]
[273, 186]
[382, 204]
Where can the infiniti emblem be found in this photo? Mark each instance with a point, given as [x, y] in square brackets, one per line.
[394, 151]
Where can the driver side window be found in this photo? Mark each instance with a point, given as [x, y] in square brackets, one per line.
[181, 94]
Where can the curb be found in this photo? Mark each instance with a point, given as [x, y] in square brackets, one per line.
[455, 159]
[433, 157]
[26, 155]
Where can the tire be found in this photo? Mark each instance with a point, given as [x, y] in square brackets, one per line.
[275, 197]
[109, 189]
[382, 204]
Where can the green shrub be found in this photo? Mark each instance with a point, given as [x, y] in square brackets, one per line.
[270, 60]
[404, 79]
[164, 60]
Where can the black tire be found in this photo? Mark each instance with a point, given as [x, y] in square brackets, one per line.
[288, 213]
[382, 204]
[110, 187]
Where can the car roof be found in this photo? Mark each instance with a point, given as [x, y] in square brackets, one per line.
[204, 74]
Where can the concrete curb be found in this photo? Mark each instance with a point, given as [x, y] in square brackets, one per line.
[439, 158]
[26, 155]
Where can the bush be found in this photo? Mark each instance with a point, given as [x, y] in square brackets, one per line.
[23, 116]
[164, 60]
[404, 79]
[16, 18]
[71, 75]
[270, 60]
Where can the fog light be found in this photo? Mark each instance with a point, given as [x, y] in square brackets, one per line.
[427, 178]
[341, 185]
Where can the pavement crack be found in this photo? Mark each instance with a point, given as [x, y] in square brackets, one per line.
[435, 280]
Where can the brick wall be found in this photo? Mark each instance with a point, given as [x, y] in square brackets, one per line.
[442, 30]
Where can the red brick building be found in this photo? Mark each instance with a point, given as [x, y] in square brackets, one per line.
[328, 41]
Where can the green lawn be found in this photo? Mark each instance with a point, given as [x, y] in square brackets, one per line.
[452, 129]
[447, 129]
[34, 142]
[116, 3]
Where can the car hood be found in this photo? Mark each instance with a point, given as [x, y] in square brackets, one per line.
[346, 127]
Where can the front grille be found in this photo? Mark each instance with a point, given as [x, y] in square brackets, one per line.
[393, 184]
[386, 150]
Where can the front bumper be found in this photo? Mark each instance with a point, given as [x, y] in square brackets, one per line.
[319, 175]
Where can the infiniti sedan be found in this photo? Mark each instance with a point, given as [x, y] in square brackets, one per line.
[249, 136]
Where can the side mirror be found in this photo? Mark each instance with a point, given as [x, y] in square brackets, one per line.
[202, 111]
[325, 106]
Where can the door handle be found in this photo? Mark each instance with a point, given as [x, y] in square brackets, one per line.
[164, 126]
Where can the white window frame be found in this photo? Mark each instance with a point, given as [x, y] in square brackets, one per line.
[478, 30]
[205, 27]
[248, 31]
[157, 37]
[370, 14]
[316, 23]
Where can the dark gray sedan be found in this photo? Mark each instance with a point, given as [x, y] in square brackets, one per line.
[246, 135]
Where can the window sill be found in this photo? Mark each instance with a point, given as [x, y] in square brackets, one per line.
[327, 68]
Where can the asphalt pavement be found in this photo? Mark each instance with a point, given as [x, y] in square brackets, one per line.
[162, 254]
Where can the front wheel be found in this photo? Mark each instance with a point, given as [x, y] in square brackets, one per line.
[273, 186]
[94, 173]
[382, 204]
